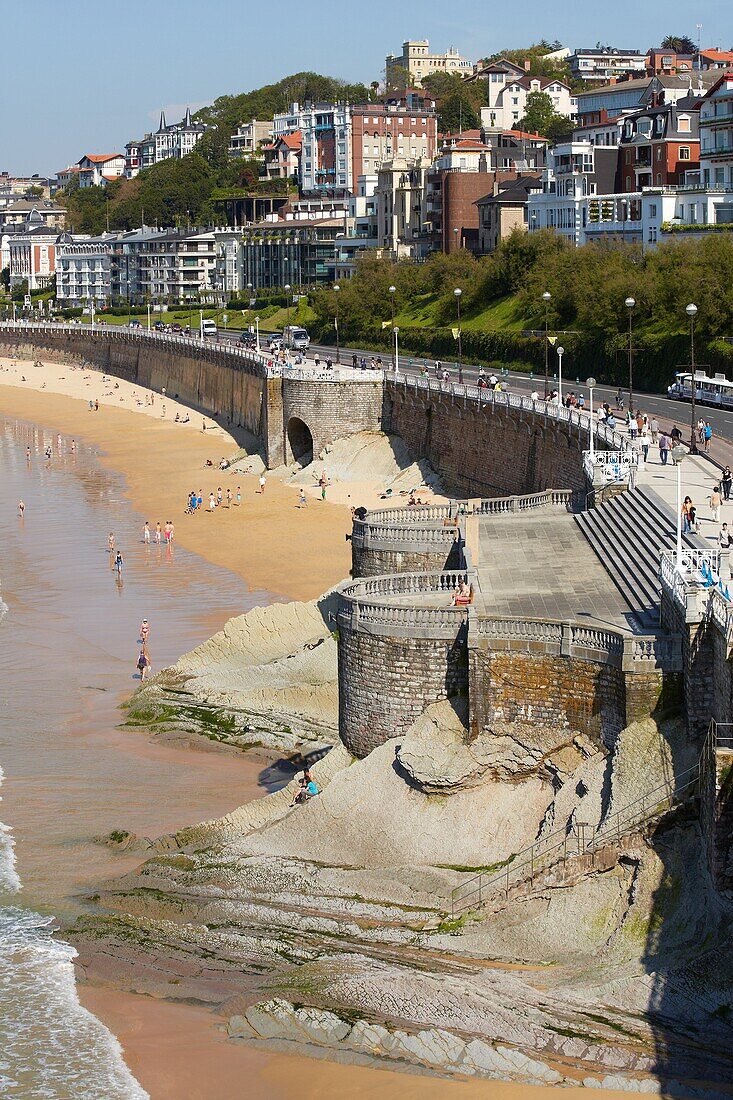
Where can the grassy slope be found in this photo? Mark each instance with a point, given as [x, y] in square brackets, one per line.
[502, 314]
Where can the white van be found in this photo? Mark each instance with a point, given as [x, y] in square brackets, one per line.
[208, 327]
[296, 337]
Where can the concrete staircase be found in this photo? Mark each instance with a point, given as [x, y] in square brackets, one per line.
[627, 534]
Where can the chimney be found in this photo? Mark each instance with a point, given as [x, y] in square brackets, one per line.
[527, 64]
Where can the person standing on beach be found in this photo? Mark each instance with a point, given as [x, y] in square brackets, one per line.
[27, 454]
[200, 499]
[119, 562]
[302, 499]
[157, 533]
[229, 498]
[21, 508]
[171, 532]
[263, 482]
[212, 501]
[239, 496]
[146, 534]
[73, 446]
[143, 665]
[111, 541]
[219, 497]
[144, 632]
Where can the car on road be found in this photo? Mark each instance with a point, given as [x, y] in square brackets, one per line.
[135, 323]
[176, 327]
[249, 339]
[275, 341]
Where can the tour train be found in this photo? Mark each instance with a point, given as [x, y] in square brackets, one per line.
[708, 391]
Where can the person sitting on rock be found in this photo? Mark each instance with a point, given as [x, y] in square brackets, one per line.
[306, 790]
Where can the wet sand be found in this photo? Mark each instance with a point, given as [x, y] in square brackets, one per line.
[166, 1044]
[268, 541]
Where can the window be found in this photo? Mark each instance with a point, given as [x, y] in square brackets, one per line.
[652, 210]
[659, 152]
[683, 124]
[684, 152]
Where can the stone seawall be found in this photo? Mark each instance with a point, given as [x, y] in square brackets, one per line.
[481, 449]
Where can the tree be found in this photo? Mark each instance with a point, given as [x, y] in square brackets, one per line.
[457, 113]
[539, 111]
[679, 43]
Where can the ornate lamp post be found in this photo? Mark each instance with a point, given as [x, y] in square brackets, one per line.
[560, 353]
[392, 292]
[457, 293]
[287, 293]
[546, 297]
[630, 303]
[590, 383]
[691, 312]
[336, 289]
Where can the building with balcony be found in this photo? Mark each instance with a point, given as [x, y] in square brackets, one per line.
[300, 253]
[174, 140]
[716, 137]
[659, 145]
[282, 157]
[17, 212]
[613, 100]
[605, 63]
[249, 137]
[575, 171]
[84, 269]
[32, 254]
[399, 201]
[714, 60]
[508, 101]
[99, 169]
[661, 62]
[418, 62]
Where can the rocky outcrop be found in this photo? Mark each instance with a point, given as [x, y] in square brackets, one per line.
[268, 679]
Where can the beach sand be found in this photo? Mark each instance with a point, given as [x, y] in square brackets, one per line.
[166, 1044]
[268, 541]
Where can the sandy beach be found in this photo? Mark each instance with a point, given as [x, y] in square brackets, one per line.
[162, 461]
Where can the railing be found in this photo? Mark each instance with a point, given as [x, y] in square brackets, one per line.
[548, 498]
[373, 606]
[684, 580]
[607, 467]
[332, 374]
[484, 396]
[575, 840]
[636, 653]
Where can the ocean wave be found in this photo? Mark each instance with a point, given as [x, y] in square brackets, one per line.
[50, 1045]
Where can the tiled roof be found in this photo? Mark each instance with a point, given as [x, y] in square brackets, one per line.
[293, 141]
[522, 134]
[100, 158]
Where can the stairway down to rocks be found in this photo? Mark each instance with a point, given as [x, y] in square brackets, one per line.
[627, 534]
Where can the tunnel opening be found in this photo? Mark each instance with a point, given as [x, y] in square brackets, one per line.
[300, 440]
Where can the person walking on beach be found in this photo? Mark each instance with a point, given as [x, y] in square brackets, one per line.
[143, 665]
[171, 532]
[219, 497]
[229, 498]
[157, 533]
[302, 499]
[146, 534]
[144, 632]
[212, 502]
[263, 482]
[119, 562]
[21, 508]
[111, 541]
[28, 454]
[239, 496]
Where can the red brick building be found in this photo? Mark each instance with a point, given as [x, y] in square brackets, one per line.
[659, 145]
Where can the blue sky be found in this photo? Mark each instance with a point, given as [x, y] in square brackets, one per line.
[87, 75]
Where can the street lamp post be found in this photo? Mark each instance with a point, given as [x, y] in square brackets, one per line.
[630, 303]
[457, 292]
[560, 353]
[249, 306]
[287, 292]
[691, 312]
[396, 351]
[678, 453]
[590, 383]
[392, 291]
[336, 290]
[546, 299]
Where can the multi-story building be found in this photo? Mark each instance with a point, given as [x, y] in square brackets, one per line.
[575, 170]
[299, 253]
[503, 211]
[659, 145]
[249, 137]
[18, 211]
[661, 62]
[604, 63]
[84, 269]
[599, 105]
[282, 157]
[418, 62]
[508, 100]
[714, 60]
[174, 140]
[99, 169]
[32, 254]
[340, 143]
[399, 207]
[716, 139]
[22, 187]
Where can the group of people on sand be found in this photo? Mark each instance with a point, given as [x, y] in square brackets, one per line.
[160, 534]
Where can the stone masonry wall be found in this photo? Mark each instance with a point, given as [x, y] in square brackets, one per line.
[331, 410]
[486, 450]
[705, 675]
[386, 683]
[373, 561]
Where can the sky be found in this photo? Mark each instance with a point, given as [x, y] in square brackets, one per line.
[85, 76]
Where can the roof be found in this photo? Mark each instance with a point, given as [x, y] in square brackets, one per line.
[526, 137]
[718, 55]
[468, 145]
[643, 82]
[293, 141]
[100, 158]
[514, 191]
[527, 81]
[610, 52]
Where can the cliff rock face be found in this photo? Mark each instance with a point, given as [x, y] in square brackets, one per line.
[269, 678]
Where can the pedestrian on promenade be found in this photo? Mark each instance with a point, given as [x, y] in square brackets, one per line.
[644, 440]
[632, 425]
[726, 481]
[715, 502]
[664, 446]
[263, 482]
[701, 430]
[675, 434]
[708, 434]
[146, 534]
[654, 427]
[686, 524]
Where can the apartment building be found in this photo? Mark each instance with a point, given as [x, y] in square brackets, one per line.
[660, 62]
[84, 269]
[18, 211]
[340, 143]
[418, 62]
[503, 211]
[659, 145]
[599, 105]
[298, 253]
[400, 207]
[716, 135]
[174, 140]
[605, 63]
[509, 100]
[714, 60]
[575, 171]
[32, 254]
[249, 137]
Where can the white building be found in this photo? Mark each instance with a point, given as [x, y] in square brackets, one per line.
[605, 63]
[575, 171]
[716, 136]
[417, 60]
[32, 254]
[174, 140]
[83, 269]
[99, 169]
[507, 95]
[249, 137]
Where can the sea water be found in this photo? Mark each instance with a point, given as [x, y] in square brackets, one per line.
[68, 643]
